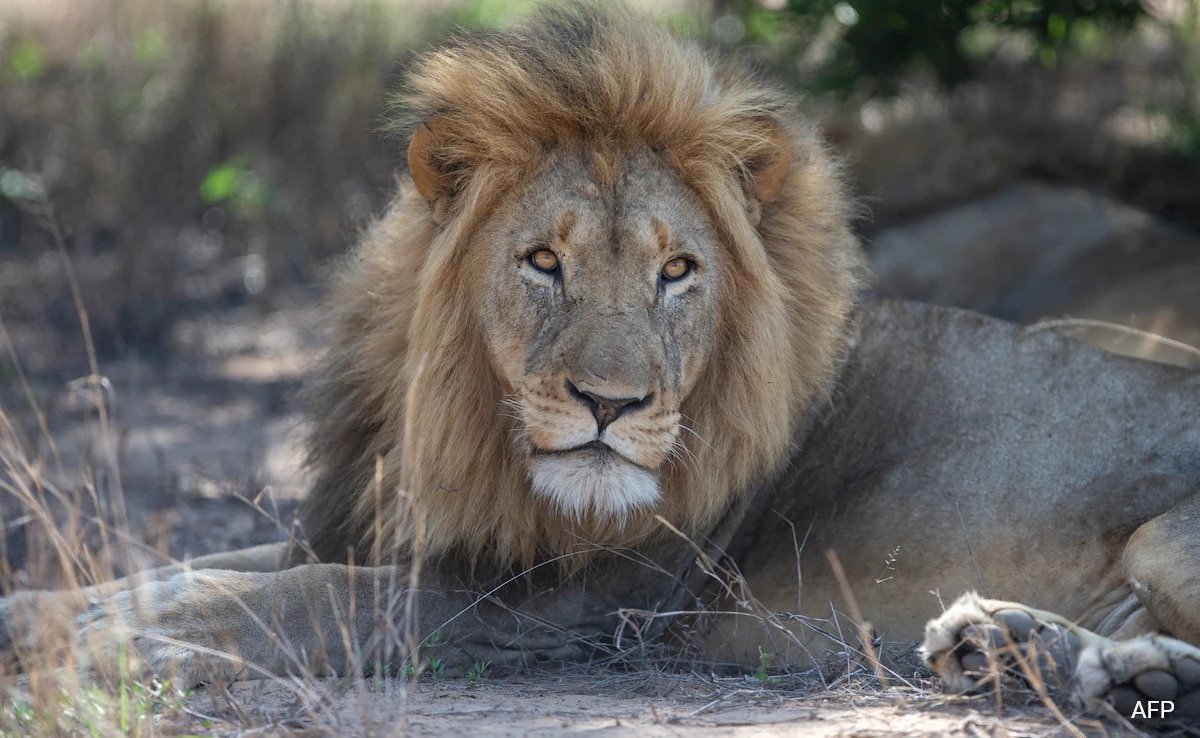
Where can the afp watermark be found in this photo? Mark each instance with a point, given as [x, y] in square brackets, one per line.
[1152, 709]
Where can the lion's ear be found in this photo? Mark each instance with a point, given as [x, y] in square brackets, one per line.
[431, 173]
[769, 167]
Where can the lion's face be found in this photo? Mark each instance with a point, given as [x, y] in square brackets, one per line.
[599, 306]
[618, 283]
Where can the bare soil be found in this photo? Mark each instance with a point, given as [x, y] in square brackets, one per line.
[628, 704]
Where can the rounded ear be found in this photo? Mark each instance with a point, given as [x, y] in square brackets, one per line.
[430, 173]
[768, 169]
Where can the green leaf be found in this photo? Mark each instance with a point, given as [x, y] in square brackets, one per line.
[18, 186]
[27, 60]
[221, 182]
[148, 46]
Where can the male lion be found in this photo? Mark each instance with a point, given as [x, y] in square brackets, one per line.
[608, 333]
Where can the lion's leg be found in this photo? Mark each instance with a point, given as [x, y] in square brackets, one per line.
[31, 618]
[200, 626]
[265, 557]
[1162, 560]
[215, 624]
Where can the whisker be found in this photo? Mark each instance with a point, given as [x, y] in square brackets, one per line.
[685, 427]
[680, 453]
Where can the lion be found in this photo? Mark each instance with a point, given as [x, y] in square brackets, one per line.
[609, 355]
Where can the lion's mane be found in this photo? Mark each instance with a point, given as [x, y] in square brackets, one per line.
[411, 445]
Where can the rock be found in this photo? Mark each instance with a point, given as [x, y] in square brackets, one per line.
[1034, 251]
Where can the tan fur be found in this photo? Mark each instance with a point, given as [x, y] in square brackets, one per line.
[409, 379]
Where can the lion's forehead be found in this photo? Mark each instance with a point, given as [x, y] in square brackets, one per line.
[635, 206]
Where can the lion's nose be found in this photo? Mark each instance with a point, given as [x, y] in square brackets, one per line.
[606, 409]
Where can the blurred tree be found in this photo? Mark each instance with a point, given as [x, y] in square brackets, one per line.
[871, 43]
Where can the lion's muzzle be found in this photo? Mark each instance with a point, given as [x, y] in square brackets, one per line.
[606, 409]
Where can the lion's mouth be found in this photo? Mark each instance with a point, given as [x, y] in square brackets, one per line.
[596, 445]
[596, 449]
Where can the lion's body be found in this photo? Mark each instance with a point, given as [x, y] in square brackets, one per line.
[607, 330]
[963, 453]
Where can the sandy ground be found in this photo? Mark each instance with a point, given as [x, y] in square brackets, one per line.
[207, 441]
[625, 704]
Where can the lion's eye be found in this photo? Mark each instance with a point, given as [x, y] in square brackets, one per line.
[676, 269]
[544, 260]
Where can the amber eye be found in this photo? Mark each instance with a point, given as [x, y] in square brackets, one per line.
[544, 260]
[676, 269]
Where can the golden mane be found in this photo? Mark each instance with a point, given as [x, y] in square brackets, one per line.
[411, 447]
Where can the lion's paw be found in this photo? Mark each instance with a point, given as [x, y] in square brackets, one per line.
[160, 630]
[975, 641]
[1146, 679]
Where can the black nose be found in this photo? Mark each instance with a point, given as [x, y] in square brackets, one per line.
[606, 409]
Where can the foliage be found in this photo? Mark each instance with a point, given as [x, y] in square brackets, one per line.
[486, 13]
[874, 43]
[235, 182]
[477, 672]
[191, 159]
[128, 708]
[761, 675]
[436, 668]
[27, 61]
[1185, 124]
[433, 668]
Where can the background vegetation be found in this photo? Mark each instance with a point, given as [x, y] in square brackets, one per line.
[193, 157]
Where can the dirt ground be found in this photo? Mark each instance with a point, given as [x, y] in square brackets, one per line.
[640, 704]
[206, 442]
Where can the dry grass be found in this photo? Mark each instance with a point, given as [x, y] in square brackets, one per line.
[197, 160]
[52, 685]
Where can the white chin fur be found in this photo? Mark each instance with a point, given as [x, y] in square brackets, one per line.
[602, 484]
